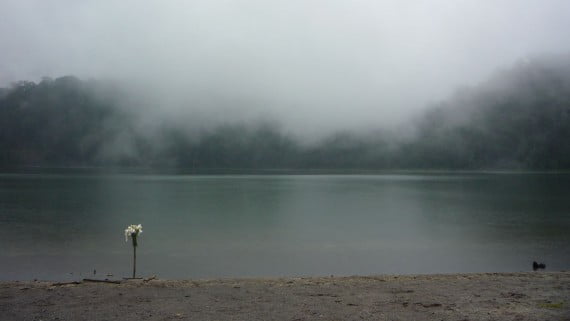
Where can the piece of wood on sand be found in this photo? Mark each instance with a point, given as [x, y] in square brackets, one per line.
[65, 283]
[102, 281]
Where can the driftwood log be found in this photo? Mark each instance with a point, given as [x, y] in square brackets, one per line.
[102, 281]
[65, 283]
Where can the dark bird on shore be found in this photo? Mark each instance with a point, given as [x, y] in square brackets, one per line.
[537, 266]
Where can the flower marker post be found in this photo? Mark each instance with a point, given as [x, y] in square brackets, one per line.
[133, 232]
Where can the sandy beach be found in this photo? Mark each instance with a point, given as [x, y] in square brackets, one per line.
[491, 296]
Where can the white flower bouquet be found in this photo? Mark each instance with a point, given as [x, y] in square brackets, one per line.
[133, 231]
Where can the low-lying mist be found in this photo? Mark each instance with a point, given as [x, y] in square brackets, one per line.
[315, 67]
[518, 119]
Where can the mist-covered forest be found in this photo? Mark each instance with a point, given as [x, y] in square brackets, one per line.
[518, 119]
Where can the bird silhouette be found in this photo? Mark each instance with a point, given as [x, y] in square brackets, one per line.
[538, 266]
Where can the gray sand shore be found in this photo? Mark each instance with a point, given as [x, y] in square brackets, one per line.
[493, 296]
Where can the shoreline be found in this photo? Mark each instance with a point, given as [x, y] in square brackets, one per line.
[225, 171]
[473, 296]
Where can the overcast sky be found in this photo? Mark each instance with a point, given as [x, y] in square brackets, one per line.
[311, 64]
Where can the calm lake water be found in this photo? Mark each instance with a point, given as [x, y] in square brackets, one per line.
[63, 226]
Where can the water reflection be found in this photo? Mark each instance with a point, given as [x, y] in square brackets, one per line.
[213, 226]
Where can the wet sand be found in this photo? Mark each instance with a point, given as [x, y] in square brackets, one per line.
[494, 296]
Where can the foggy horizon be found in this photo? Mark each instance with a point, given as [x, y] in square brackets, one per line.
[315, 67]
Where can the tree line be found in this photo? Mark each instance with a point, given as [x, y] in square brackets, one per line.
[518, 119]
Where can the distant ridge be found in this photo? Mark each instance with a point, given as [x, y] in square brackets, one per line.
[517, 120]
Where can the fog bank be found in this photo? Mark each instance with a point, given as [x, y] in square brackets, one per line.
[315, 66]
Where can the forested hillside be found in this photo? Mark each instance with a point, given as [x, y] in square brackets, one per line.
[519, 119]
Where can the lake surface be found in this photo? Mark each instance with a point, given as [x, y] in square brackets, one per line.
[63, 226]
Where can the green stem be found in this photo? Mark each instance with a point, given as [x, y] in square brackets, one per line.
[134, 260]
[134, 237]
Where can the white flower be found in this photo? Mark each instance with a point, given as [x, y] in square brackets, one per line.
[132, 231]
